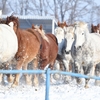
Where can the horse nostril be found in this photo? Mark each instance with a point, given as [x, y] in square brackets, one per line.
[74, 47]
[67, 52]
[79, 47]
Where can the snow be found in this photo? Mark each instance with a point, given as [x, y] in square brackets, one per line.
[58, 91]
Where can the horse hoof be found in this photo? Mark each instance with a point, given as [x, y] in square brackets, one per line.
[29, 83]
[86, 86]
[56, 76]
[13, 85]
[10, 80]
[35, 85]
[79, 81]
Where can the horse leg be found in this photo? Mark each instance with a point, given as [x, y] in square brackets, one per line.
[35, 67]
[10, 78]
[77, 69]
[87, 72]
[17, 76]
[66, 78]
[43, 66]
[97, 73]
[27, 78]
[57, 66]
[1, 75]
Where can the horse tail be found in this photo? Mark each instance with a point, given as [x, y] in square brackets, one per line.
[53, 37]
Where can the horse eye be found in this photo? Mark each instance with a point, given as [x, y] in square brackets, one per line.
[82, 33]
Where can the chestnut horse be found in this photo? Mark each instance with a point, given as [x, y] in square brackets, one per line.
[28, 48]
[95, 29]
[49, 48]
[62, 25]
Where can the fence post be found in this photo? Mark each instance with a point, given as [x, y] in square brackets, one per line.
[47, 84]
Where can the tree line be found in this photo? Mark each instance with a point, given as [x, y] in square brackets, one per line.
[62, 10]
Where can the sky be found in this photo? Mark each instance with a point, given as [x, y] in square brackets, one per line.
[97, 1]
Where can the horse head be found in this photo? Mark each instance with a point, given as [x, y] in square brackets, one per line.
[81, 31]
[62, 25]
[59, 33]
[69, 39]
[95, 29]
[13, 22]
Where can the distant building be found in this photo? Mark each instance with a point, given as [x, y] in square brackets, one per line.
[48, 23]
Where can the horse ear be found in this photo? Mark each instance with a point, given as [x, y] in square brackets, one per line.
[7, 18]
[58, 23]
[40, 27]
[33, 27]
[98, 25]
[65, 24]
[92, 25]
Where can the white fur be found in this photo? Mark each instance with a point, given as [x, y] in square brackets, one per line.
[8, 43]
[59, 33]
[89, 53]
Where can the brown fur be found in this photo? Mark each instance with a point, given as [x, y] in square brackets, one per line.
[28, 47]
[49, 49]
[94, 29]
[62, 25]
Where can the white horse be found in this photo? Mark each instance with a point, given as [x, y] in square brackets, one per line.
[69, 39]
[86, 50]
[8, 44]
[65, 38]
[59, 33]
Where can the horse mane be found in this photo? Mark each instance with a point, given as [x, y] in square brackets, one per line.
[35, 33]
[80, 24]
[41, 31]
[12, 18]
[70, 29]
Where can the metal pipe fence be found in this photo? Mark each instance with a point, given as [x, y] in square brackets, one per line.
[48, 72]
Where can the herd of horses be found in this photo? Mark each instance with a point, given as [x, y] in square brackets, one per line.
[71, 48]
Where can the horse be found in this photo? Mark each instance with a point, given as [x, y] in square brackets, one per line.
[95, 29]
[86, 51]
[65, 38]
[49, 48]
[66, 50]
[62, 25]
[29, 44]
[8, 47]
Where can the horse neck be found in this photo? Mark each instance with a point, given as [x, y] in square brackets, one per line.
[18, 33]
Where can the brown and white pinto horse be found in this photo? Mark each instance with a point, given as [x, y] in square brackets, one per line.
[29, 44]
[95, 29]
[49, 48]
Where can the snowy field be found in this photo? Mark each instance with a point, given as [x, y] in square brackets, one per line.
[58, 91]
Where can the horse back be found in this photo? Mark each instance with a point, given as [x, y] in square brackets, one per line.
[36, 33]
[53, 37]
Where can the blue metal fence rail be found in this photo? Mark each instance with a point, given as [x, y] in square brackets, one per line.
[48, 72]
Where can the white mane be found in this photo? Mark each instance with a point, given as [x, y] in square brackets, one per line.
[42, 33]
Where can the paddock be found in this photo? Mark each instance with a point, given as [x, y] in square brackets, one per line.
[47, 87]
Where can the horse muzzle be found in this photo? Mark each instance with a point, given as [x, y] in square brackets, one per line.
[67, 52]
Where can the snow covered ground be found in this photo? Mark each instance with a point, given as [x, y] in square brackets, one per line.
[58, 91]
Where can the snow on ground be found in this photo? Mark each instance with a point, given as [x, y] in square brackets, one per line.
[58, 91]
